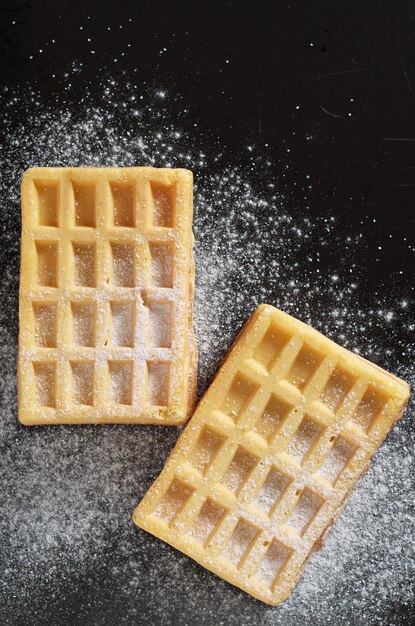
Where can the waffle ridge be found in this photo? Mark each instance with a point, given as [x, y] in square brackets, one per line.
[106, 296]
[271, 454]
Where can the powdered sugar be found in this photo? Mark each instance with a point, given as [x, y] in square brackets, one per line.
[69, 492]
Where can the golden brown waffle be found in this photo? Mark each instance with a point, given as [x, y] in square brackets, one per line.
[272, 453]
[106, 296]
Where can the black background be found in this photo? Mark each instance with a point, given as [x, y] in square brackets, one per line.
[267, 72]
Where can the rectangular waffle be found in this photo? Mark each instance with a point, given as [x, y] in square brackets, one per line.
[271, 455]
[106, 296]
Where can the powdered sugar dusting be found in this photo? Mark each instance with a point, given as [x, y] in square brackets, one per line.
[69, 492]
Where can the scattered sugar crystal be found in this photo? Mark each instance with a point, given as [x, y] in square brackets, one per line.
[69, 493]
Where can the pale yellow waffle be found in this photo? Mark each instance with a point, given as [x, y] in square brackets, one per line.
[106, 296]
[271, 455]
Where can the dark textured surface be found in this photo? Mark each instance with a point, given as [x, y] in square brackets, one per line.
[317, 97]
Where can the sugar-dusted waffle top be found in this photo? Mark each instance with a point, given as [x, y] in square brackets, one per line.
[106, 296]
[271, 454]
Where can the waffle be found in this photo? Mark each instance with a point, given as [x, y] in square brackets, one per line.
[271, 455]
[106, 296]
